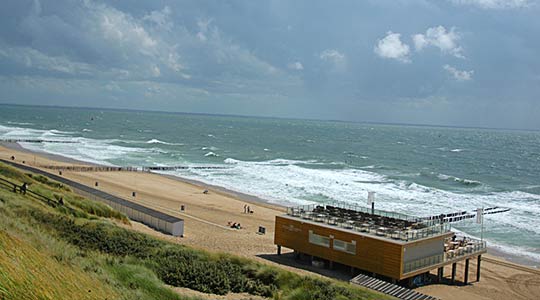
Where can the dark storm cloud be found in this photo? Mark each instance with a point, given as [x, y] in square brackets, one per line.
[456, 62]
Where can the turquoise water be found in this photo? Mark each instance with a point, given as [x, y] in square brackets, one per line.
[413, 169]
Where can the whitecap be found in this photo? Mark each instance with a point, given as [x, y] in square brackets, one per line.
[19, 123]
[156, 141]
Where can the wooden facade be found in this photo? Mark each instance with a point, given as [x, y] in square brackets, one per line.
[371, 253]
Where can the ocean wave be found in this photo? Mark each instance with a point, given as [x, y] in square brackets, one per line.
[87, 130]
[457, 150]
[15, 132]
[19, 123]
[212, 154]
[463, 181]
[156, 141]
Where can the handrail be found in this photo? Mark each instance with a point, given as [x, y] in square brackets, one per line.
[424, 262]
[36, 195]
[404, 234]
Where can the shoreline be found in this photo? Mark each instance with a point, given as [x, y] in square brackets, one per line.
[493, 251]
[214, 188]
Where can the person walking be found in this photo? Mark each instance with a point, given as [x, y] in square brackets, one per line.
[23, 188]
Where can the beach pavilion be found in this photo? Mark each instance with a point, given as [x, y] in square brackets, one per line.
[383, 244]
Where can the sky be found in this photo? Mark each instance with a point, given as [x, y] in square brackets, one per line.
[445, 62]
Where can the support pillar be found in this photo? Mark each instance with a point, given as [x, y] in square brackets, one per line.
[440, 274]
[466, 279]
[454, 273]
[278, 250]
[479, 259]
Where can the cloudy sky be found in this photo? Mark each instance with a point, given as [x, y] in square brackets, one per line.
[448, 62]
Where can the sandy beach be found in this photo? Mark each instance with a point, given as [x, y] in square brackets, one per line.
[207, 215]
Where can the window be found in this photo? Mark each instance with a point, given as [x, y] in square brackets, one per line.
[345, 246]
[319, 239]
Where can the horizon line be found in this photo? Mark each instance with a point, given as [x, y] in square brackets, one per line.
[268, 117]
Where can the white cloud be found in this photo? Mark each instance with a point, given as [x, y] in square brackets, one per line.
[161, 18]
[459, 75]
[295, 66]
[37, 60]
[120, 29]
[156, 71]
[439, 37]
[332, 55]
[494, 4]
[391, 47]
[204, 26]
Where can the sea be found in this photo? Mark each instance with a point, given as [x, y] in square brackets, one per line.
[416, 170]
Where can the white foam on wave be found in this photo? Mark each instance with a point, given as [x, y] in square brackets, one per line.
[14, 132]
[79, 148]
[513, 250]
[290, 181]
[87, 130]
[464, 181]
[457, 150]
[19, 123]
[211, 154]
[156, 141]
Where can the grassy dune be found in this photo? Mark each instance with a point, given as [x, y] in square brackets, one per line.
[76, 251]
[27, 273]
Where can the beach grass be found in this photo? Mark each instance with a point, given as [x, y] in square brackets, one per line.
[77, 251]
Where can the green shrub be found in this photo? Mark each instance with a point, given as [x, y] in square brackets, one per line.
[137, 277]
[96, 208]
[49, 182]
[98, 236]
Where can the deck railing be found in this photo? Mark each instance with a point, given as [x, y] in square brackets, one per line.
[474, 246]
[422, 229]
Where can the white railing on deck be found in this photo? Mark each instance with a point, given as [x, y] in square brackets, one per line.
[475, 247]
[406, 234]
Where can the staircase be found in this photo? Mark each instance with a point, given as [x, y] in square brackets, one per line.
[389, 288]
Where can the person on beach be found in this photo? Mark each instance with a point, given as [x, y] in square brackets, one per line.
[245, 208]
[12, 157]
[205, 192]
